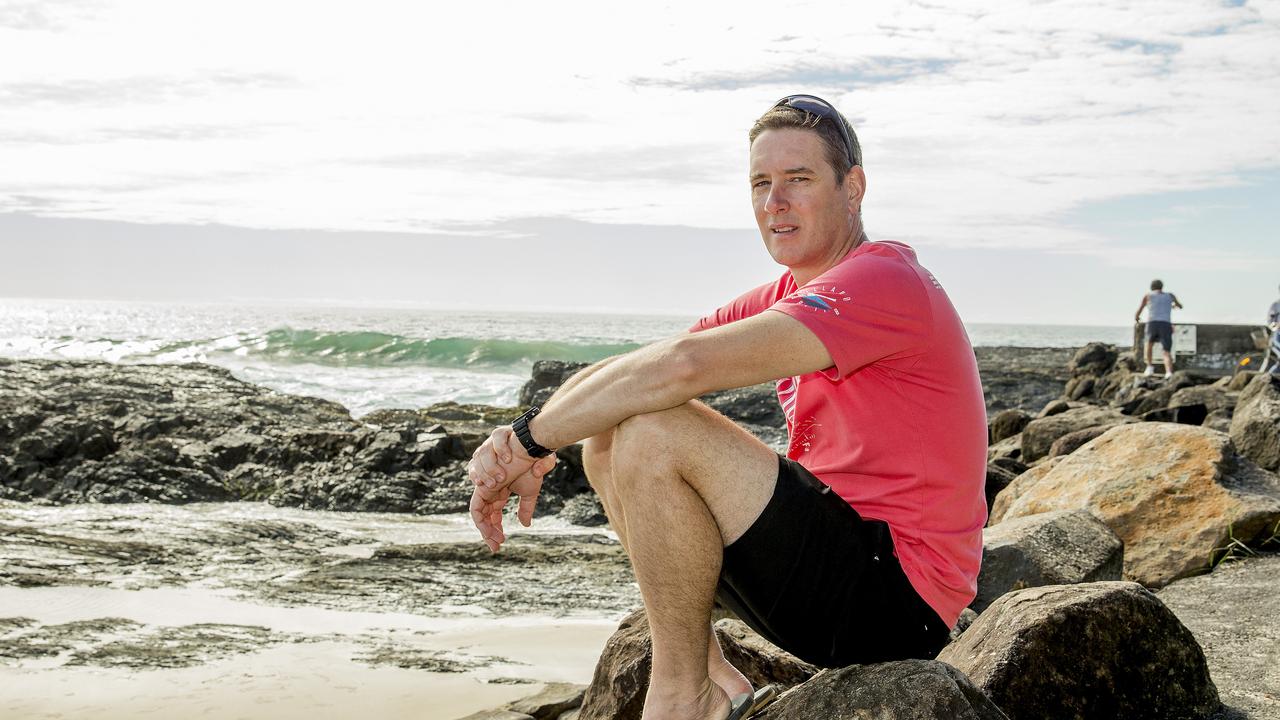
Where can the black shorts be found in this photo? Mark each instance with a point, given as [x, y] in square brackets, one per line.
[1162, 331]
[819, 581]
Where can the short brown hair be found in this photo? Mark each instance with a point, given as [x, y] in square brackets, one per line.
[1157, 285]
[784, 116]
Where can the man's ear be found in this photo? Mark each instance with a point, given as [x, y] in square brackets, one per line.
[856, 185]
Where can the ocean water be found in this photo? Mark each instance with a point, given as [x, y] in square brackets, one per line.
[372, 358]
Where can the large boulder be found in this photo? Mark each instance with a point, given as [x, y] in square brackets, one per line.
[1010, 448]
[1213, 397]
[1193, 405]
[998, 478]
[554, 700]
[1039, 434]
[1093, 359]
[1175, 495]
[1064, 547]
[1006, 424]
[904, 690]
[1078, 388]
[1097, 650]
[621, 676]
[1014, 490]
[1073, 441]
[1255, 427]
[1055, 407]
[1241, 380]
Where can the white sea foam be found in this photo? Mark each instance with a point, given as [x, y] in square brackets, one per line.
[368, 359]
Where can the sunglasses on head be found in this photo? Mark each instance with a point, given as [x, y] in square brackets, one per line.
[815, 105]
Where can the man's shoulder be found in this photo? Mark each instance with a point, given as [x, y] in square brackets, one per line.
[880, 257]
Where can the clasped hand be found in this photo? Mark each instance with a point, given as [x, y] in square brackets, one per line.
[500, 468]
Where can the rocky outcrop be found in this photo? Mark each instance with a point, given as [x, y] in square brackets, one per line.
[1255, 427]
[756, 409]
[1176, 495]
[621, 677]
[1064, 547]
[1021, 378]
[1129, 655]
[77, 431]
[98, 432]
[1039, 435]
[547, 377]
[904, 690]
[1141, 395]
[1094, 359]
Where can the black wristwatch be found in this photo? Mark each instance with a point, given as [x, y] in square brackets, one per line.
[521, 429]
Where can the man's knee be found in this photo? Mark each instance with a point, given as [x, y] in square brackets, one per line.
[639, 436]
[597, 453]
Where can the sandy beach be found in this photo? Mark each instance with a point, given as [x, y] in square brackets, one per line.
[309, 677]
[117, 639]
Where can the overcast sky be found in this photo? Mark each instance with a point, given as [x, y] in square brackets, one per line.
[1046, 159]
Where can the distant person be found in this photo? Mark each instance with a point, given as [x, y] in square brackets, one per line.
[1273, 353]
[1159, 305]
[862, 544]
[1273, 315]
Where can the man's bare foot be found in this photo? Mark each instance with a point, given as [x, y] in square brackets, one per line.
[709, 702]
[722, 673]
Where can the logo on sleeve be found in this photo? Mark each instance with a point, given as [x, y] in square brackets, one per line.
[824, 298]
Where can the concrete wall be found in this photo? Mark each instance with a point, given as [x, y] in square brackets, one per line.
[1217, 347]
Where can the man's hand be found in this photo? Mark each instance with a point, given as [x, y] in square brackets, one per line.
[500, 468]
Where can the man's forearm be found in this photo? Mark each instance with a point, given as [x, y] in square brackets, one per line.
[600, 397]
[578, 377]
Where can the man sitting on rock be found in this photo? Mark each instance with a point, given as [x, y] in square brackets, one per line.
[863, 543]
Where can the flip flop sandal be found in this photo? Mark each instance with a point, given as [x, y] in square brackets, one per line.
[744, 706]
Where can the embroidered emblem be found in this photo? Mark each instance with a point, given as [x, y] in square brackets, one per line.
[825, 298]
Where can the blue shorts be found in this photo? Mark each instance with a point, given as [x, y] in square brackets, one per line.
[1161, 331]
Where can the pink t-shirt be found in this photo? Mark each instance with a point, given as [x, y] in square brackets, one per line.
[897, 427]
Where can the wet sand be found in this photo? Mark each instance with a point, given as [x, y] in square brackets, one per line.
[248, 611]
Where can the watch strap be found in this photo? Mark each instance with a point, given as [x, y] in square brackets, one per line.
[521, 428]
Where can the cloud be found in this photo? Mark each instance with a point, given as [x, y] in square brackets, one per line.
[161, 133]
[859, 73]
[44, 16]
[670, 163]
[980, 128]
[113, 92]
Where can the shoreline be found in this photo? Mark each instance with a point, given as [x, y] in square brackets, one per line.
[254, 632]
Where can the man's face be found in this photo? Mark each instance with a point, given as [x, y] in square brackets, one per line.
[805, 217]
